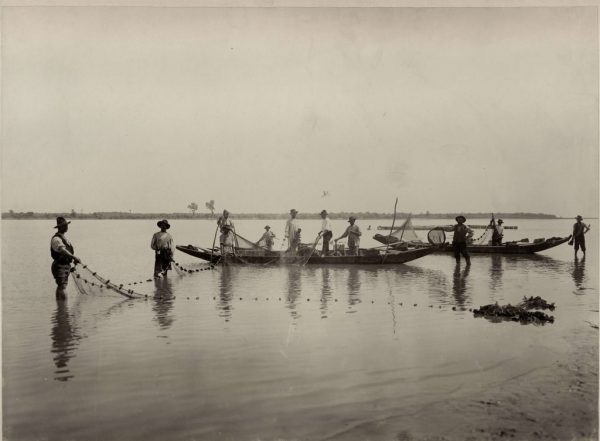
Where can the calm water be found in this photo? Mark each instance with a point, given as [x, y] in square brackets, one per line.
[267, 353]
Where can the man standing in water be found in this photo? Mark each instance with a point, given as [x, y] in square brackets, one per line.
[62, 253]
[353, 233]
[579, 230]
[459, 242]
[163, 246]
[292, 232]
[326, 232]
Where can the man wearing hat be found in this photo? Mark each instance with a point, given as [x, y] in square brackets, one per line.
[267, 238]
[462, 234]
[163, 246]
[63, 254]
[226, 239]
[579, 230]
[497, 232]
[326, 232]
[353, 233]
[292, 232]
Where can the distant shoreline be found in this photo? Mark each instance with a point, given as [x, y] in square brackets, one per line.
[257, 216]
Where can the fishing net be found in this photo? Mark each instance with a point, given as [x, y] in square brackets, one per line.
[99, 284]
[485, 237]
[436, 236]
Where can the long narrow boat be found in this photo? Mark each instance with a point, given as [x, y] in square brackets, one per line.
[405, 238]
[369, 257]
[511, 247]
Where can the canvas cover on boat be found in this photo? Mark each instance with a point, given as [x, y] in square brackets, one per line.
[404, 233]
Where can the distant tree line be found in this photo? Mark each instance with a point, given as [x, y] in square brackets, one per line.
[193, 215]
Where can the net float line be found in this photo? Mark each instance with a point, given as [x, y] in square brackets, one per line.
[181, 270]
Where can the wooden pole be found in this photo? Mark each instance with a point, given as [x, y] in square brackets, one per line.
[391, 230]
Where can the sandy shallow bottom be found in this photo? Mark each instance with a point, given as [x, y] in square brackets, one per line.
[557, 402]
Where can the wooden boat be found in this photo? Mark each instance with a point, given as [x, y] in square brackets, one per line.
[511, 247]
[405, 238]
[263, 257]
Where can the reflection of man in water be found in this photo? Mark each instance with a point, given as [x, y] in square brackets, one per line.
[579, 272]
[353, 285]
[163, 303]
[225, 292]
[496, 271]
[63, 336]
[294, 288]
[325, 289]
[459, 284]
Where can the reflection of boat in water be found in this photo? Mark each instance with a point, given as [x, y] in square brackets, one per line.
[405, 238]
[264, 257]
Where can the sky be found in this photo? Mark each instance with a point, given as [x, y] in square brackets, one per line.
[264, 109]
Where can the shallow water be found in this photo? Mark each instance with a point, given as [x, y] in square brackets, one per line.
[268, 352]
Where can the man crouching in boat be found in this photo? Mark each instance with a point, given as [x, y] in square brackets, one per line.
[163, 246]
[62, 253]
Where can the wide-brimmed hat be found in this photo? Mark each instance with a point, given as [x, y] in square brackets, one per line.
[351, 218]
[323, 212]
[267, 227]
[61, 222]
[293, 210]
[579, 217]
[164, 223]
[500, 221]
[464, 219]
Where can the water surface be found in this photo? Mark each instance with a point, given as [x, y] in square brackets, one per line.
[268, 352]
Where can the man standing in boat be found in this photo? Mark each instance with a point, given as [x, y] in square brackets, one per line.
[353, 233]
[226, 239]
[462, 234]
[326, 232]
[163, 246]
[497, 231]
[62, 253]
[292, 232]
[579, 230]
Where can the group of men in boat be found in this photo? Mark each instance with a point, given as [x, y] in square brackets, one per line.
[63, 252]
[292, 235]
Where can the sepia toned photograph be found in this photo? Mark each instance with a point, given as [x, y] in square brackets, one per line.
[299, 221]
